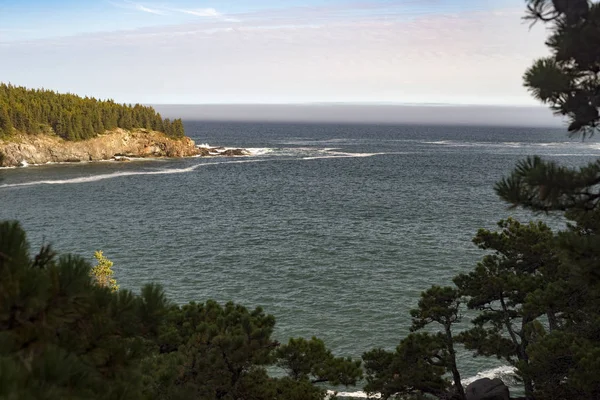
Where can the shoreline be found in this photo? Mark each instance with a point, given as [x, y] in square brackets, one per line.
[127, 160]
[115, 146]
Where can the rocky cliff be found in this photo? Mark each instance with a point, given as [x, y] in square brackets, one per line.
[42, 149]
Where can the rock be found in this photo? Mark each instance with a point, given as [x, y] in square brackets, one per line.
[41, 149]
[112, 145]
[487, 389]
[232, 153]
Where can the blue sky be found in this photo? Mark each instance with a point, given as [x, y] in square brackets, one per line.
[265, 51]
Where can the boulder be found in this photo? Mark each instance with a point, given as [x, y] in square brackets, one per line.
[487, 389]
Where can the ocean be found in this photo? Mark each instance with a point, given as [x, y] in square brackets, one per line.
[334, 229]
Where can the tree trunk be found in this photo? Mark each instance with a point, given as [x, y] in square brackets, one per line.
[527, 383]
[520, 345]
[552, 320]
[455, 374]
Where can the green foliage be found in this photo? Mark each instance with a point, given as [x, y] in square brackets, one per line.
[522, 262]
[567, 80]
[534, 310]
[218, 347]
[72, 117]
[437, 304]
[562, 351]
[441, 305]
[62, 336]
[419, 364]
[546, 186]
[102, 272]
[6, 127]
[415, 368]
[211, 351]
[310, 360]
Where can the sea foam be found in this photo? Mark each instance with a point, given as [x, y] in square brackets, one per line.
[504, 372]
[95, 178]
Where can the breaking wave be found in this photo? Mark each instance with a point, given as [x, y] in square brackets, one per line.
[505, 372]
[302, 153]
[529, 145]
[95, 178]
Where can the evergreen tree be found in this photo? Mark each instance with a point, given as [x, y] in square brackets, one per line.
[441, 305]
[73, 117]
[6, 126]
[568, 82]
[178, 130]
[415, 369]
[62, 336]
[563, 361]
[522, 262]
[311, 361]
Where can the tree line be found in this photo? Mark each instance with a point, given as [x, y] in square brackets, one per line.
[67, 331]
[39, 111]
[536, 295]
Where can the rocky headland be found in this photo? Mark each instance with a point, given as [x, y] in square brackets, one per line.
[119, 145]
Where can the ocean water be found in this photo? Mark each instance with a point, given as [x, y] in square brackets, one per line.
[334, 229]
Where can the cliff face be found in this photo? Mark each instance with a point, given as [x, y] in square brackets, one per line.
[42, 149]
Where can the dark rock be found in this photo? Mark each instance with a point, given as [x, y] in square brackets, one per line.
[487, 389]
[232, 152]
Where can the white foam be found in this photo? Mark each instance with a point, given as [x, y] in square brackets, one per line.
[356, 395]
[95, 178]
[438, 142]
[504, 372]
[258, 151]
[534, 145]
[339, 154]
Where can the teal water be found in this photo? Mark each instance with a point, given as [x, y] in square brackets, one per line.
[333, 229]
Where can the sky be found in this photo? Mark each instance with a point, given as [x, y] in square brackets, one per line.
[272, 51]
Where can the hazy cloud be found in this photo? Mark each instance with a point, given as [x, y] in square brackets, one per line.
[164, 10]
[130, 5]
[367, 114]
[202, 12]
[143, 8]
[360, 53]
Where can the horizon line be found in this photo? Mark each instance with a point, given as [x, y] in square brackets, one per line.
[333, 103]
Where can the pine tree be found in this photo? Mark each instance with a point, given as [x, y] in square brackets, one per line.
[563, 361]
[311, 361]
[73, 117]
[441, 305]
[62, 335]
[568, 82]
[6, 127]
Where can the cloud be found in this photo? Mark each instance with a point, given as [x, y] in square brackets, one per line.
[130, 5]
[143, 8]
[286, 56]
[163, 10]
[208, 13]
[202, 12]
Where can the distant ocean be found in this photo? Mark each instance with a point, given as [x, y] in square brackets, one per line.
[334, 229]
